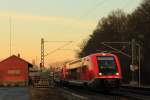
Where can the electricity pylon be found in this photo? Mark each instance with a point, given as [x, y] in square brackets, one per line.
[43, 55]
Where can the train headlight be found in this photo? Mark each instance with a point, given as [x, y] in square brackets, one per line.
[103, 54]
[117, 73]
[100, 73]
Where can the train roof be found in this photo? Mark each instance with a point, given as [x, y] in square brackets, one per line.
[81, 59]
[94, 54]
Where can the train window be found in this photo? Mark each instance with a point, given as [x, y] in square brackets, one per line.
[107, 65]
[73, 74]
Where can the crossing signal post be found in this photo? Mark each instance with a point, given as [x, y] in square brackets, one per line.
[133, 66]
[138, 59]
[136, 62]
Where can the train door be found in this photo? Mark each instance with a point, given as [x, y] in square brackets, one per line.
[85, 72]
[73, 74]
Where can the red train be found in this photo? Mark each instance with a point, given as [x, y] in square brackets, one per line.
[100, 70]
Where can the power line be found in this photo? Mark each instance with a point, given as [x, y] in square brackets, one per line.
[94, 8]
[10, 38]
[88, 12]
[58, 41]
[119, 51]
[85, 14]
[59, 48]
[43, 50]
[127, 4]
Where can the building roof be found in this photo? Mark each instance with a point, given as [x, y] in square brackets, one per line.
[30, 65]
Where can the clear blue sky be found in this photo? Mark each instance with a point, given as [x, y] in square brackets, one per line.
[53, 20]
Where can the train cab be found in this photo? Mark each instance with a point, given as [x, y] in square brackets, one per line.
[96, 70]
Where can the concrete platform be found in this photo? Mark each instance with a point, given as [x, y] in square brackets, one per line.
[14, 93]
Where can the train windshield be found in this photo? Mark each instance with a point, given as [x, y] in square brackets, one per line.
[107, 65]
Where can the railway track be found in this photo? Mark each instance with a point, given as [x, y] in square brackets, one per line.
[121, 94]
[134, 95]
[135, 92]
[85, 94]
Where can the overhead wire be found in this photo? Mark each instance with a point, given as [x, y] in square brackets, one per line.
[93, 8]
[87, 13]
[90, 10]
[70, 25]
[101, 3]
[66, 44]
[127, 4]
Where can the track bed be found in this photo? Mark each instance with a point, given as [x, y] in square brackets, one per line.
[45, 94]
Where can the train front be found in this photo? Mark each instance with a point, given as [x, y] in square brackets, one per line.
[108, 71]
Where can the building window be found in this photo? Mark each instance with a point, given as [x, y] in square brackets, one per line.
[14, 72]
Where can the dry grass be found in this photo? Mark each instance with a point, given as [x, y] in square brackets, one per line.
[45, 94]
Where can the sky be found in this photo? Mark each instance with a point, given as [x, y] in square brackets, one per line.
[53, 20]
